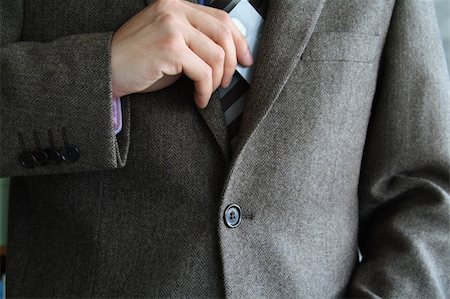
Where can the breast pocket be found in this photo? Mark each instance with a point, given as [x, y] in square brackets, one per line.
[342, 46]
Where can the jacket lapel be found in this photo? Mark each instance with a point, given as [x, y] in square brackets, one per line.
[287, 30]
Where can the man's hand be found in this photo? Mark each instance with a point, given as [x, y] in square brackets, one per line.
[173, 37]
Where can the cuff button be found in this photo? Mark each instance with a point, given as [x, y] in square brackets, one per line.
[70, 153]
[27, 159]
[54, 157]
[41, 157]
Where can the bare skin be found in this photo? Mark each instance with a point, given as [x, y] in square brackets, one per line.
[174, 37]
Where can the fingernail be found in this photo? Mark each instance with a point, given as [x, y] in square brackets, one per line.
[198, 101]
[226, 83]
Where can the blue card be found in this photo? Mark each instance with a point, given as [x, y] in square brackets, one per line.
[250, 23]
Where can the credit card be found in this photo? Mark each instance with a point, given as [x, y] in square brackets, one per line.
[250, 23]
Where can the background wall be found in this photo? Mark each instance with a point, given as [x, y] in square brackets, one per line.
[443, 13]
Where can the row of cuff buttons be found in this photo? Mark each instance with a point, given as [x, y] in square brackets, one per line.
[69, 153]
[49, 156]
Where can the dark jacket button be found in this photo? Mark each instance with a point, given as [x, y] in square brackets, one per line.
[41, 157]
[27, 159]
[70, 153]
[232, 216]
[54, 157]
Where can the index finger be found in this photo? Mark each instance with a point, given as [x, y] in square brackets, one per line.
[242, 50]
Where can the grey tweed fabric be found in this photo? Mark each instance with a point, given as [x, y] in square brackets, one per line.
[344, 143]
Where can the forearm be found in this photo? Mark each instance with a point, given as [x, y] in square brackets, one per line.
[66, 84]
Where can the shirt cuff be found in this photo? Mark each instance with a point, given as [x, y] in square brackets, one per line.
[117, 115]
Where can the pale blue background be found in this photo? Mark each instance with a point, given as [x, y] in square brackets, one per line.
[443, 13]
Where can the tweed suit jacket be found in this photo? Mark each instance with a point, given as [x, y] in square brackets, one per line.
[344, 143]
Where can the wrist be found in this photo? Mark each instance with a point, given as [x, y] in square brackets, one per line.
[117, 91]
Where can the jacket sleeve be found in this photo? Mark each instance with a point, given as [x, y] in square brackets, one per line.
[404, 181]
[56, 113]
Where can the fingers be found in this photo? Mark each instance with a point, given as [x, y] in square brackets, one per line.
[201, 73]
[240, 44]
[201, 42]
[210, 52]
[221, 35]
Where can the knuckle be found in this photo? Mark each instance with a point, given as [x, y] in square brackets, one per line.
[168, 20]
[207, 72]
[219, 54]
[223, 16]
[231, 64]
[177, 66]
[170, 43]
[223, 35]
[225, 32]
